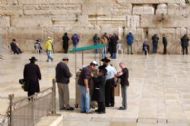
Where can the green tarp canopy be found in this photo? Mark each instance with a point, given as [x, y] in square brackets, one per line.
[85, 48]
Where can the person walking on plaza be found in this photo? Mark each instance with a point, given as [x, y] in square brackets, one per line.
[123, 75]
[75, 38]
[185, 44]
[65, 39]
[84, 80]
[130, 40]
[165, 43]
[63, 75]
[49, 49]
[32, 75]
[155, 40]
[110, 83]
[96, 40]
[99, 89]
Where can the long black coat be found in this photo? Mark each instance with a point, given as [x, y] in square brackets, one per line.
[32, 75]
[99, 89]
[113, 44]
[65, 39]
[155, 40]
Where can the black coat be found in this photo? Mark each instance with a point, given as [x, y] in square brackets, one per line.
[185, 41]
[113, 44]
[63, 73]
[32, 75]
[124, 77]
[155, 40]
[165, 42]
[65, 42]
[99, 89]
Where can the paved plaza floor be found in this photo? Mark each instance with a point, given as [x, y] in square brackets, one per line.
[158, 95]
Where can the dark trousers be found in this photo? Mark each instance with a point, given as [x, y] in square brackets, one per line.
[109, 92]
[101, 107]
[155, 47]
[165, 50]
[185, 50]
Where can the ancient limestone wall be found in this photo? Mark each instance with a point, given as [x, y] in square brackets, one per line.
[28, 20]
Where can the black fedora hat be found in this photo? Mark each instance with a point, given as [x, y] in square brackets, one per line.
[65, 58]
[33, 59]
[105, 60]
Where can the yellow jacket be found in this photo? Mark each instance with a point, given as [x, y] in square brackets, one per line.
[49, 45]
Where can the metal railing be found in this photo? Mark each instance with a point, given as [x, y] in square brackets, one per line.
[28, 111]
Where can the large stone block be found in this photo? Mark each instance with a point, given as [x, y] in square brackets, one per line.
[64, 20]
[31, 21]
[11, 10]
[177, 10]
[4, 21]
[97, 9]
[120, 10]
[40, 2]
[162, 9]
[108, 21]
[13, 2]
[164, 21]
[143, 10]
[151, 1]
[3, 2]
[133, 21]
[57, 9]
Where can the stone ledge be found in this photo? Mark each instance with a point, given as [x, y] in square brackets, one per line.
[50, 121]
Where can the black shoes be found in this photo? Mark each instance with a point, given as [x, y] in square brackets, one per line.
[100, 112]
[68, 109]
[122, 108]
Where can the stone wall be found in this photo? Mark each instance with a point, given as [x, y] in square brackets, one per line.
[28, 20]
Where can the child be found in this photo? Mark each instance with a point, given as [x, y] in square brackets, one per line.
[145, 47]
[37, 46]
[99, 89]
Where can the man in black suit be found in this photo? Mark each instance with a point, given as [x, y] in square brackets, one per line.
[32, 75]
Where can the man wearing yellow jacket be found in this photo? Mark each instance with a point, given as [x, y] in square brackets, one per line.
[49, 49]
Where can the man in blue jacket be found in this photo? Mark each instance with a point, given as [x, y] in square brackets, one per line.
[130, 40]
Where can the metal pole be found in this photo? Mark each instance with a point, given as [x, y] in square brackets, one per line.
[11, 96]
[82, 58]
[75, 61]
[54, 97]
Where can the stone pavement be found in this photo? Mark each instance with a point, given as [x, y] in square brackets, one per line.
[158, 94]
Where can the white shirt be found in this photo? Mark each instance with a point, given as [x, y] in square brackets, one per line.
[111, 72]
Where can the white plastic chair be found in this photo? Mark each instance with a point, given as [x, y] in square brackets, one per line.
[119, 48]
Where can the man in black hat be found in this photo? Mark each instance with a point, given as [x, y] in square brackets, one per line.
[63, 75]
[110, 83]
[99, 89]
[32, 75]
